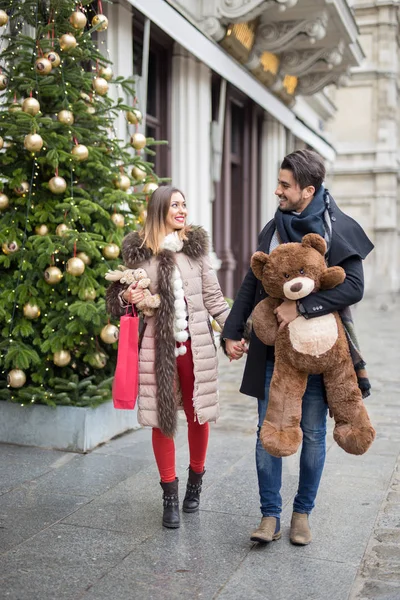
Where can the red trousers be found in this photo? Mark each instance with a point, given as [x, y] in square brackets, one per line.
[164, 447]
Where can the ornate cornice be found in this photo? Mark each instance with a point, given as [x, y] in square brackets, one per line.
[299, 62]
[314, 82]
[242, 10]
[277, 37]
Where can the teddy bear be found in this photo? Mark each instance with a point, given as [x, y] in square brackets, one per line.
[306, 346]
[137, 278]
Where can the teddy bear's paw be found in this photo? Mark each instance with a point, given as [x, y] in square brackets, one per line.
[354, 440]
[280, 442]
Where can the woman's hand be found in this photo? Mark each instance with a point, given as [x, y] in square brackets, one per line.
[133, 295]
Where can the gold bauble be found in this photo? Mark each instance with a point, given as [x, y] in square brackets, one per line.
[106, 73]
[75, 266]
[90, 294]
[138, 141]
[80, 152]
[22, 188]
[149, 188]
[10, 247]
[3, 81]
[138, 173]
[57, 185]
[111, 251]
[43, 66]
[118, 220]
[100, 86]
[99, 360]
[78, 20]
[15, 107]
[4, 201]
[33, 142]
[90, 110]
[31, 311]
[1, 142]
[31, 106]
[122, 182]
[53, 275]
[54, 58]
[217, 328]
[134, 116]
[102, 19]
[61, 358]
[16, 378]
[84, 257]
[67, 42]
[66, 117]
[109, 334]
[62, 229]
[142, 217]
[3, 18]
[41, 229]
[85, 97]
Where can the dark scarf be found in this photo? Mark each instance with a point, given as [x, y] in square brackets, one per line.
[292, 227]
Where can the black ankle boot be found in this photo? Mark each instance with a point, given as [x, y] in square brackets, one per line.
[171, 516]
[193, 489]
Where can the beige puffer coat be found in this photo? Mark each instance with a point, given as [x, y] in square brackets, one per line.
[158, 398]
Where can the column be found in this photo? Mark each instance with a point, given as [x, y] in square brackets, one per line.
[273, 150]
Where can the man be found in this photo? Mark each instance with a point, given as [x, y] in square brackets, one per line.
[305, 206]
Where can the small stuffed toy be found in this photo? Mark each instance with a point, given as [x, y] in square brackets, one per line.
[304, 347]
[137, 278]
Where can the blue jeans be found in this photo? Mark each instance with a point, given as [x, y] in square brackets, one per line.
[313, 452]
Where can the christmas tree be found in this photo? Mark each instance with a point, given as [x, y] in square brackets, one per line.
[69, 192]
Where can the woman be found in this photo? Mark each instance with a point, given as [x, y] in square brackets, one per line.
[177, 358]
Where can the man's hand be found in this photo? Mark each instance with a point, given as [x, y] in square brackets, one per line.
[235, 349]
[286, 313]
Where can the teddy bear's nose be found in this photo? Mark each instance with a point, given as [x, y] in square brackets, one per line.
[296, 287]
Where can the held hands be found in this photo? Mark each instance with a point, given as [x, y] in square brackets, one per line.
[235, 349]
[286, 313]
[133, 295]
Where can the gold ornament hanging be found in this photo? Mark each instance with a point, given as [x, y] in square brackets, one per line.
[85, 97]
[138, 174]
[43, 66]
[118, 220]
[22, 188]
[106, 73]
[138, 141]
[84, 257]
[149, 188]
[78, 20]
[100, 86]
[90, 109]
[142, 217]
[67, 42]
[33, 142]
[31, 106]
[3, 81]
[1, 143]
[41, 229]
[111, 251]
[31, 311]
[122, 182]
[66, 117]
[61, 358]
[109, 334]
[102, 19]
[4, 201]
[16, 378]
[75, 266]
[53, 275]
[15, 107]
[54, 58]
[134, 116]
[80, 152]
[90, 294]
[3, 18]
[62, 229]
[57, 185]
[99, 360]
[10, 247]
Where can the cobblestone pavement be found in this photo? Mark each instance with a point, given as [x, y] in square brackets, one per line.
[88, 527]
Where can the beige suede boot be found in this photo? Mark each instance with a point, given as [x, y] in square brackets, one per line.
[300, 532]
[266, 532]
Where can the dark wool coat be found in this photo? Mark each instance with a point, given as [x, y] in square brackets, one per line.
[349, 246]
[158, 398]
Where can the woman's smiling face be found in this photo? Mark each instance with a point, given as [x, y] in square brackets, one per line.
[176, 217]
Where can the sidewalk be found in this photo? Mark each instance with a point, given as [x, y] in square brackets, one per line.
[89, 527]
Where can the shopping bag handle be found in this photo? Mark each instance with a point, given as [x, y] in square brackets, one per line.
[134, 311]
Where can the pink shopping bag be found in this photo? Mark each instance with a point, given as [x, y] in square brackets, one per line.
[126, 378]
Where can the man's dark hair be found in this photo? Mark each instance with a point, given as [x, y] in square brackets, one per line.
[307, 168]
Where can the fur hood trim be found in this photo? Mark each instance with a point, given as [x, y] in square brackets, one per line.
[196, 246]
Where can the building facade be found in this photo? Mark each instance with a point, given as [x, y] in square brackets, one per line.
[233, 85]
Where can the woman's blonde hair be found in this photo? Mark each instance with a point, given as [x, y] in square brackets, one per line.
[157, 211]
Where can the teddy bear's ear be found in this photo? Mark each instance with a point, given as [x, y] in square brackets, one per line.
[258, 260]
[313, 240]
[332, 277]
